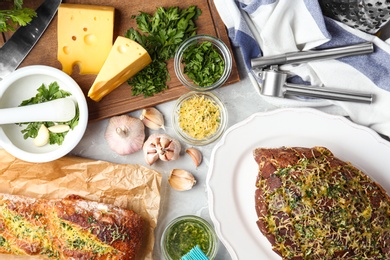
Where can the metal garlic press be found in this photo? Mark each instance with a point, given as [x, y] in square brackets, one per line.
[274, 81]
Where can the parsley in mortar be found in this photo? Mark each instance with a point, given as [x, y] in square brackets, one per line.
[48, 93]
[203, 64]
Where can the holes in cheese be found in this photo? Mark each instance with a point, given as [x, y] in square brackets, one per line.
[90, 39]
[125, 59]
[85, 34]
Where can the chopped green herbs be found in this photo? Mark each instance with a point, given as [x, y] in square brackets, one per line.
[203, 64]
[151, 80]
[17, 16]
[160, 34]
[45, 94]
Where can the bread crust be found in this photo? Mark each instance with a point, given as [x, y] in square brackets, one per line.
[68, 228]
[312, 205]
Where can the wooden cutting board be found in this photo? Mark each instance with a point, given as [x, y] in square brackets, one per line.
[121, 101]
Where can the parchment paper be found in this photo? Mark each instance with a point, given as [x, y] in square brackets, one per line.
[134, 187]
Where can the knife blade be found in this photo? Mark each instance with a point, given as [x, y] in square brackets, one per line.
[24, 39]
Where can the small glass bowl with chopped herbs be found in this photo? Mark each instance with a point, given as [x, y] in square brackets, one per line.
[199, 118]
[184, 233]
[203, 63]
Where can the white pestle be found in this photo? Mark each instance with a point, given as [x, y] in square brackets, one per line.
[58, 110]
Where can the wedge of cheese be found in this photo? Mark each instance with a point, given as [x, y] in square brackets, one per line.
[85, 35]
[126, 58]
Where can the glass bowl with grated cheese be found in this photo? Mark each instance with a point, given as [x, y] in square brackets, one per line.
[203, 63]
[199, 118]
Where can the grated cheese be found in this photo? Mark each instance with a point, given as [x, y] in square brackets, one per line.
[199, 117]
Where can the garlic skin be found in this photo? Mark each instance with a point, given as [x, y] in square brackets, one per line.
[125, 134]
[196, 155]
[161, 146]
[181, 180]
[152, 118]
[42, 137]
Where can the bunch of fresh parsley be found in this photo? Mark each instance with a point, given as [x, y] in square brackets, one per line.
[45, 94]
[160, 34]
[16, 16]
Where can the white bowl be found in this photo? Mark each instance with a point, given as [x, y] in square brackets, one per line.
[22, 84]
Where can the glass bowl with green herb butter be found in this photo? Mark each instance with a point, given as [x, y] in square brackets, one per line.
[199, 118]
[203, 63]
[184, 233]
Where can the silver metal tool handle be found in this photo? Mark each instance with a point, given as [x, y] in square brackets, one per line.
[326, 93]
[312, 55]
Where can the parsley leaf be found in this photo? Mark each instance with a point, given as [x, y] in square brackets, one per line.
[160, 34]
[203, 64]
[11, 18]
[148, 82]
[45, 94]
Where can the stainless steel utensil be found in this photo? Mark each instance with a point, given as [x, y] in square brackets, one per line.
[274, 84]
[23, 40]
[312, 55]
[274, 81]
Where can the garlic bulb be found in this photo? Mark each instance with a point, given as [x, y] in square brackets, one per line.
[152, 118]
[181, 180]
[195, 154]
[161, 146]
[125, 134]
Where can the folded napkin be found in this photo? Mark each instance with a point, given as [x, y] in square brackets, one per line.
[269, 27]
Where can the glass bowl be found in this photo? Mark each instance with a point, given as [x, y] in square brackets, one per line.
[184, 233]
[197, 81]
[199, 118]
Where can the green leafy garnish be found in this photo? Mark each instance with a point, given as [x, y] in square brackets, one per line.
[203, 64]
[45, 94]
[160, 34]
[17, 16]
[151, 80]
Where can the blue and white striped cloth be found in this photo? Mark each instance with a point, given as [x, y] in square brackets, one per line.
[269, 27]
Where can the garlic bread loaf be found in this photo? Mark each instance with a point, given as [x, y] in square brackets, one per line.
[68, 228]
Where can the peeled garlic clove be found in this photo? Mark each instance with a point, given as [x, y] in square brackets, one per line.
[181, 180]
[196, 155]
[57, 129]
[42, 137]
[152, 118]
